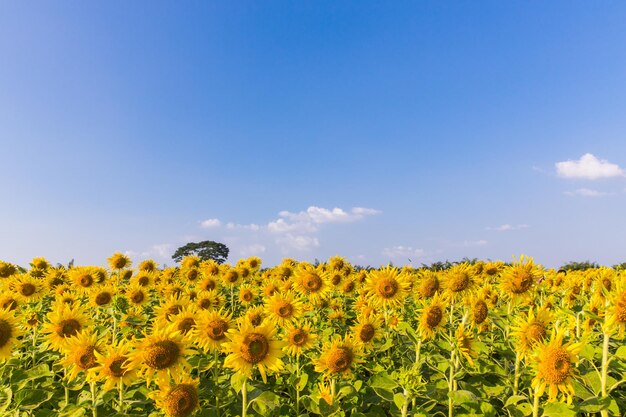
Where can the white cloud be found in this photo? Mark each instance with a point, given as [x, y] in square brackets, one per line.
[298, 242]
[588, 167]
[209, 223]
[161, 251]
[282, 226]
[251, 226]
[508, 227]
[404, 252]
[320, 215]
[585, 192]
[473, 243]
[255, 249]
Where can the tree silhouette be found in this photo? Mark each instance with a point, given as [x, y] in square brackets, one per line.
[204, 250]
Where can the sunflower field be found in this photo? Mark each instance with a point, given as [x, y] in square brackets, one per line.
[478, 339]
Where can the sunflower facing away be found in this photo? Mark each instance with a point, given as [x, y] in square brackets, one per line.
[254, 346]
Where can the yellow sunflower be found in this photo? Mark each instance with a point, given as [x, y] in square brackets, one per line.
[432, 317]
[428, 284]
[161, 353]
[80, 354]
[311, 283]
[465, 344]
[177, 399]
[366, 330]
[206, 300]
[387, 287]
[26, 288]
[101, 296]
[555, 367]
[113, 367]
[137, 295]
[518, 279]
[299, 338]
[616, 312]
[63, 322]
[459, 280]
[9, 332]
[338, 357]
[530, 330]
[7, 269]
[211, 328]
[185, 321]
[247, 294]
[83, 278]
[254, 316]
[148, 265]
[119, 261]
[283, 308]
[253, 346]
[190, 262]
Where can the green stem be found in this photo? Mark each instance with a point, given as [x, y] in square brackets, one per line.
[333, 389]
[516, 376]
[418, 349]
[120, 388]
[451, 385]
[216, 381]
[536, 403]
[244, 398]
[94, 408]
[297, 385]
[67, 390]
[405, 406]
[605, 367]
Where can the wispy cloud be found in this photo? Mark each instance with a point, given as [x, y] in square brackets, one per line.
[210, 223]
[588, 167]
[403, 252]
[508, 227]
[586, 192]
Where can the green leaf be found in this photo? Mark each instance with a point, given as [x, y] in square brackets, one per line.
[463, 397]
[265, 403]
[301, 384]
[514, 399]
[595, 405]
[237, 380]
[621, 352]
[488, 409]
[30, 399]
[399, 400]
[558, 409]
[382, 381]
[5, 398]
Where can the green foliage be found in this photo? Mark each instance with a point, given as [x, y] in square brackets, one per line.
[579, 266]
[205, 250]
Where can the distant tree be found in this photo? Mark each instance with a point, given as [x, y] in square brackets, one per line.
[579, 266]
[620, 267]
[204, 250]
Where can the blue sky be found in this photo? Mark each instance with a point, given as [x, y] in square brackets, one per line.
[380, 132]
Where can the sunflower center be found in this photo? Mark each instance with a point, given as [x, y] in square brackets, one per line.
[231, 277]
[246, 295]
[6, 331]
[336, 279]
[209, 285]
[103, 298]
[349, 287]
[434, 316]
[137, 297]
[254, 348]
[312, 282]
[429, 287]
[86, 280]
[459, 281]
[522, 282]
[480, 311]
[27, 289]
[217, 329]
[116, 367]
[256, 319]
[143, 281]
[620, 312]
[181, 401]
[86, 358]
[298, 337]
[55, 282]
[10, 304]
[186, 325]
[536, 332]
[387, 287]
[205, 303]
[174, 310]
[339, 359]
[367, 333]
[162, 355]
[555, 366]
[285, 310]
[68, 328]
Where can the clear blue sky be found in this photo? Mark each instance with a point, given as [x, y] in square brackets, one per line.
[126, 125]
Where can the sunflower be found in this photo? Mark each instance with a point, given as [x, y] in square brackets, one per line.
[27, 288]
[231, 277]
[190, 262]
[9, 332]
[283, 308]
[191, 274]
[210, 268]
[255, 316]
[311, 283]
[144, 279]
[101, 297]
[459, 280]
[63, 322]
[112, 367]
[137, 295]
[119, 261]
[479, 311]
[206, 300]
[7, 269]
[177, 399]
[9, 302]
[465, 344]
[530, 330]
[253, 346]
[170, 307]
[428, 284]
[554, 364]
[148, 265]
[55, 277]
[254, 263]
[366, 330]
[211, 328]
[616, 312]
[80, 354]
[338, 357]
[432, 318]
[207, 283]
[185, 321]
[83, 278]
[518, 279]
[387, 287]
[162, 353]
[40, 263]
[299, 338]
[247, 293]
